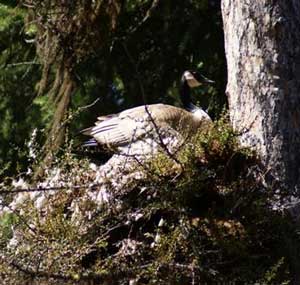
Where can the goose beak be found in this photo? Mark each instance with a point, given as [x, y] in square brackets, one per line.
[206, 80]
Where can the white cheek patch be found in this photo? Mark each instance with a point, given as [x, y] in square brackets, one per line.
[193, 83]
[190, 79]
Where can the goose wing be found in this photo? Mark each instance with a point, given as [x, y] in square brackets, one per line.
[112, 131]
[129, 125]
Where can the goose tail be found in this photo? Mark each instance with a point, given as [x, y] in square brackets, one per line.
[86, 131]
[90, 143]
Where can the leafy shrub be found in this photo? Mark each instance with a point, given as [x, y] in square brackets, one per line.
[200, 216]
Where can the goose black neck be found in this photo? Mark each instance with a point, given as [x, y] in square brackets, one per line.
[185, 96]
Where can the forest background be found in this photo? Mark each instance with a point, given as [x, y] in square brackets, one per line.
[148, 43]
[64, 63]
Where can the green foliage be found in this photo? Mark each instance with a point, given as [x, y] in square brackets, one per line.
[8, 220]
[271, 275]
[18, 77]
[200, 217]
[150, 45]
[9, 17]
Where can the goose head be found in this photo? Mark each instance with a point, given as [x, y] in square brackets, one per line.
[191, 79]
[195, 79]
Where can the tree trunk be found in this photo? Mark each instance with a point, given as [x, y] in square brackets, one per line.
[56, 134]
[262, 42]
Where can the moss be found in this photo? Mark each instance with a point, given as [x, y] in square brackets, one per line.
[7, 221]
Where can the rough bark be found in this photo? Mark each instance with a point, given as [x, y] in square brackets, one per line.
[262, 42]
[68, 33]
[56, 133]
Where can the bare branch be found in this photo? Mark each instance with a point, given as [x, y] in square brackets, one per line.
[149, 13]
[22, 63]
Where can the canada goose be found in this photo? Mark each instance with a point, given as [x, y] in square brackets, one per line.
[119, 130]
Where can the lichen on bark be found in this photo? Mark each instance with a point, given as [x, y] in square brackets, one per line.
[263, 55]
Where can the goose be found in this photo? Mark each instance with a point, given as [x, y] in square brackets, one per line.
[117, 131]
